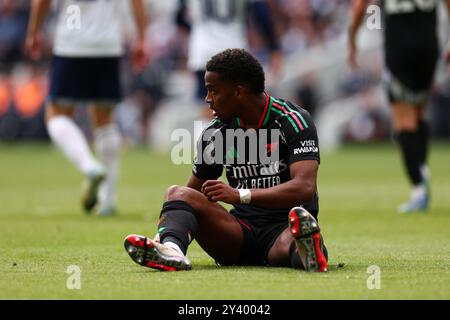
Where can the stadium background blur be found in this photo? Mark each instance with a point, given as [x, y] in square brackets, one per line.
[347, 105]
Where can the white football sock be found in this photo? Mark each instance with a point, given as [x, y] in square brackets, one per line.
[425, 172]
[108, 141]
[419, 191]
[68, 137]
[174, 246]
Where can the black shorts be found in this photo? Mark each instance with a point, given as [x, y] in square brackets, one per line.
[409, 76]
[85, 80]
[259, 237]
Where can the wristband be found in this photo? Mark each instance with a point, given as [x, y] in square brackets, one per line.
[245, 195]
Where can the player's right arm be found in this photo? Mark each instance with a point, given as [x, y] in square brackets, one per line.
[195, 183]
[204, 167]
[33, 42]
[358, 12]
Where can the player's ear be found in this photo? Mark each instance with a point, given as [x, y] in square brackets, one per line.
[240, 91]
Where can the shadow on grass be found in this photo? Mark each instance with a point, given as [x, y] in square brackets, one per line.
[202, 267]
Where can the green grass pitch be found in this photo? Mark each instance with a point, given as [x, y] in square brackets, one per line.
[43, 231]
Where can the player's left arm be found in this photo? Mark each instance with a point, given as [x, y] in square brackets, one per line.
[140, 56]
[300, 189]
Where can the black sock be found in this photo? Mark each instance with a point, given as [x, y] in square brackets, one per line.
[296, 262]
[409, 145]
[177, 224]
[424, 138]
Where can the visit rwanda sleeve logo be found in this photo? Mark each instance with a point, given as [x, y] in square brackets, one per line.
[307, 146]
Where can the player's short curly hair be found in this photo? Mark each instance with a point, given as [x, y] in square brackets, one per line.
[240, 67]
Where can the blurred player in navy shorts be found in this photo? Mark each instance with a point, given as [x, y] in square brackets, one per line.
[87, 49]
[216, 25]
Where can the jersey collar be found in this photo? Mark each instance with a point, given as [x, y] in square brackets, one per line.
[262, 121]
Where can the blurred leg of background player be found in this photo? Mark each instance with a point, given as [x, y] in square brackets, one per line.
[412, 134]
[107, 141]
[71, 141]
[68, 137]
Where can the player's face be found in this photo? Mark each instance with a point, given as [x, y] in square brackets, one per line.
[221, 96]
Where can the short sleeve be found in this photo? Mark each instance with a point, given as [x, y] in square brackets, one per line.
[300, 135]
[205, 165]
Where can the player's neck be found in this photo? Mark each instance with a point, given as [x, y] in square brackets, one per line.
[253, 111]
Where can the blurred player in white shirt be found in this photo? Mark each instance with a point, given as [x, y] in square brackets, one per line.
[216, 25]
[88, 46]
